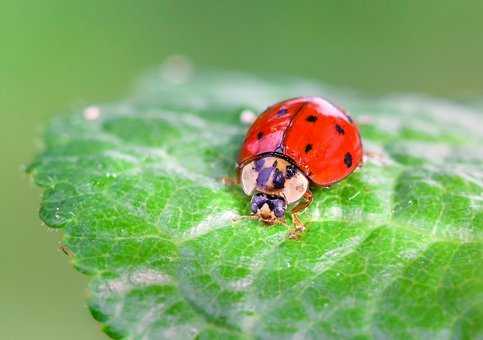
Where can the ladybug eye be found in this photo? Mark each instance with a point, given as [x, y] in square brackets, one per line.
[279, 212]
[258, 201]
[277, 205]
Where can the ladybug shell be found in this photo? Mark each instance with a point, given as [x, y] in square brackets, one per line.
[318, 137]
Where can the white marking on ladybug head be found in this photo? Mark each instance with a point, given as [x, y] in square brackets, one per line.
[248, 178]
[295, 187]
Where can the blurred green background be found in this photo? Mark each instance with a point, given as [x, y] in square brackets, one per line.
[58, 55]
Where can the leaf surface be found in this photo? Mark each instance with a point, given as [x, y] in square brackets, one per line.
[393, 251]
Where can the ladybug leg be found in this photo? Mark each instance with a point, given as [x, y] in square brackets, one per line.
[298, 209]
[299, 228]
[301, 206]
[230, 180]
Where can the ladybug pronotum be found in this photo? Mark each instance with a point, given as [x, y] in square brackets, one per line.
[291, 145]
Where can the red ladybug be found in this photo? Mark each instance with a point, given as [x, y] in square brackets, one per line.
[291, 144]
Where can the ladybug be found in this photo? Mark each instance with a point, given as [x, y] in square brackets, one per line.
[293, 144]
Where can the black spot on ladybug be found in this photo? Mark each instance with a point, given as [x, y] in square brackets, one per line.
[291, 170]
[278, 179]
[308, 147]
[281, 112]
[311, 119]
[260, 135]
[339, 129]
[348, 160]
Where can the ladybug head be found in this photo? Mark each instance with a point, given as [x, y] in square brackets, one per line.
[269, 208]
[274, 176]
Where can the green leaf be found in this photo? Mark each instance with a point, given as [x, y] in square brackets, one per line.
[393, 251]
